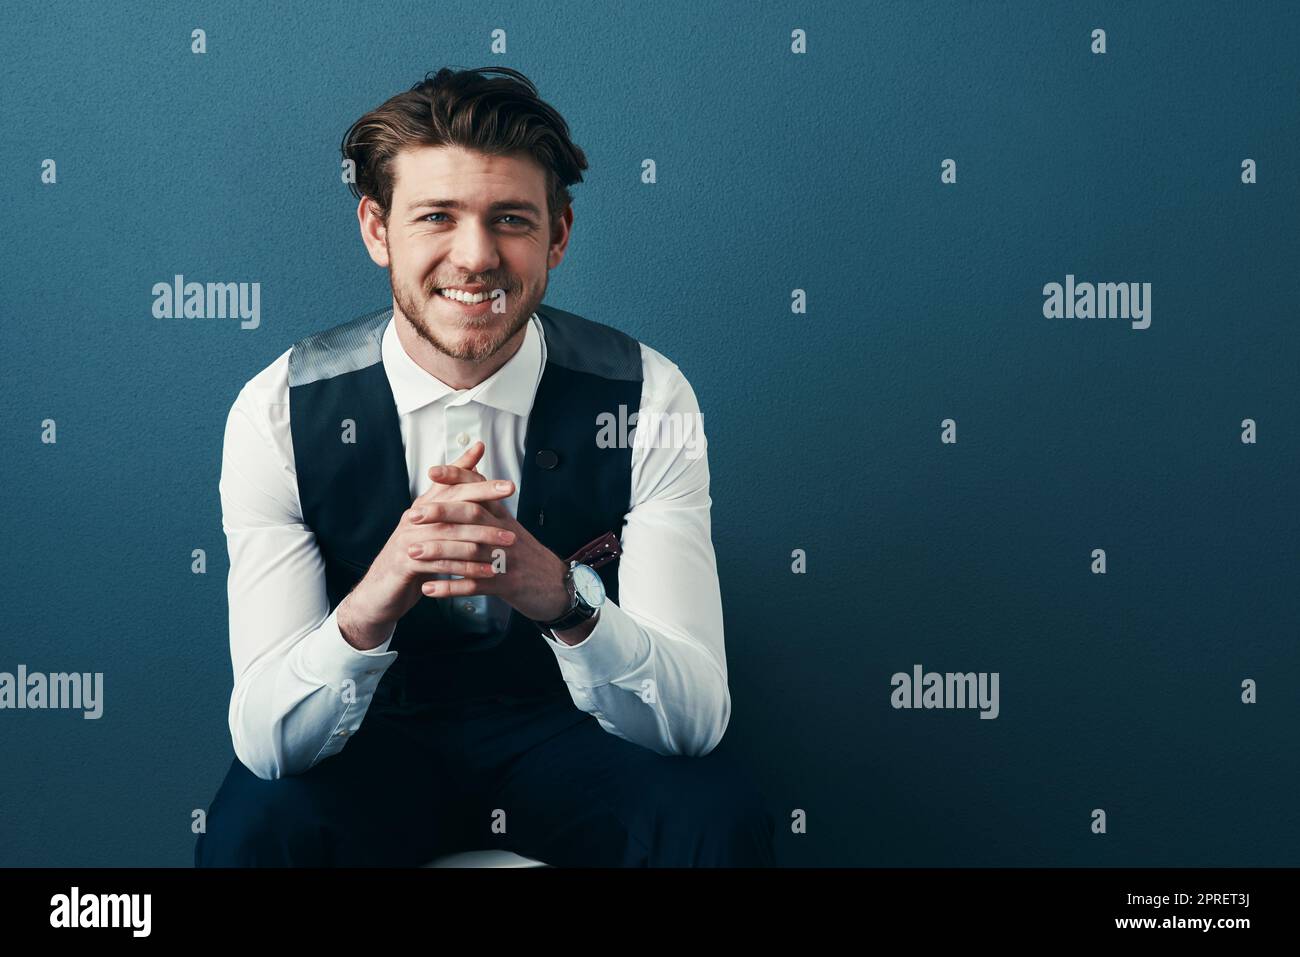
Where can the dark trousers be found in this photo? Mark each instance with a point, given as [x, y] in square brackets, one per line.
[540, 778]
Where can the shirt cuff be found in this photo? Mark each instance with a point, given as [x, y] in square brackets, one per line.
[616, 646]
[329, 657]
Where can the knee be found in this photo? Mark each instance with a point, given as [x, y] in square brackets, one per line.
[719, 814]
[259, 823]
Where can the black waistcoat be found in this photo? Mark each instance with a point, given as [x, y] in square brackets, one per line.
[353, 493]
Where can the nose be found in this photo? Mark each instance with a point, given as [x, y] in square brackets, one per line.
[473, 249]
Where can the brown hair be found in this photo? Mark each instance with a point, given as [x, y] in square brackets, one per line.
[497, 115]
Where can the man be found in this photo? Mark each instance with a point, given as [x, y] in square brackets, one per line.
[468, 610]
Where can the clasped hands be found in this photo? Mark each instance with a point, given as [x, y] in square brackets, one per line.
[454, 528]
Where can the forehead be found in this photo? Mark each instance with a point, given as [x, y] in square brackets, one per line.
[454, 172]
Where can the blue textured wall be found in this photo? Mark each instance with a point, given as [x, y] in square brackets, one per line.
[776, 171]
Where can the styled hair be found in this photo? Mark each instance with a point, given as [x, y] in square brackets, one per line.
[493, 110]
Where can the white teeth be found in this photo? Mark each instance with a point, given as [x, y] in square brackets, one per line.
[465, 297]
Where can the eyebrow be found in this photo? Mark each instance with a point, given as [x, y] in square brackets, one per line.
[496, 207]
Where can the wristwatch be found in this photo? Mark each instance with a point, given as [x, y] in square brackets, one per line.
[586, 590]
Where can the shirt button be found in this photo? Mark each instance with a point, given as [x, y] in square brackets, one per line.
[372, 671]
[462, 439]
[342, 734]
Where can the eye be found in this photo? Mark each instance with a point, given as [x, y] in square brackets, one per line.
[520, 220]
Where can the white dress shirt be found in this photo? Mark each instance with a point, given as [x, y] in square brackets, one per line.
[653, 670]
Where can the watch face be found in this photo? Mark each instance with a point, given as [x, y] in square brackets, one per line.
[588, 585]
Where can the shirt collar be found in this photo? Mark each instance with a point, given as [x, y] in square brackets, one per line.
[511, 388]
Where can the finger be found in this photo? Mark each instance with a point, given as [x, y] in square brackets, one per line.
[453, 548]
[462, 532]
[501, 515]
[445, 475]
[449, 566]
[465, 510]
[498, 509]
[469, 458]
[446, 587]
[454, 475]
[481, 491]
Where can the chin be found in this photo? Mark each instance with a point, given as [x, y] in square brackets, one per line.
[476, 345]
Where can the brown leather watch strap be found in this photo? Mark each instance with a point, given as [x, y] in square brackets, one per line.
[598, 551]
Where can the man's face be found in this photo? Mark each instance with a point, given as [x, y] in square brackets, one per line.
[460, 218]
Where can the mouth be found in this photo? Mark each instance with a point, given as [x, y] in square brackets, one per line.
[474, 302]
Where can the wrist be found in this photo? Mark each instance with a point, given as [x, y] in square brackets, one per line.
[558, 598]
[359, 629]
[578, 633]
[583, 593]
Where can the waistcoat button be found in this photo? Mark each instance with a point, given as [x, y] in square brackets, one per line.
[547, 459]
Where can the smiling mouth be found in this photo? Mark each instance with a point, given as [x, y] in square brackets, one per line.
[465, 298]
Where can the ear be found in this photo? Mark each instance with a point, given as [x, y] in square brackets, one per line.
[560, 239]
[374, 232]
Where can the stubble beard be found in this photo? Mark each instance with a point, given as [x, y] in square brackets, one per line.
[489, 332]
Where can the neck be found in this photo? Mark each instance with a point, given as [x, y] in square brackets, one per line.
[455, 373]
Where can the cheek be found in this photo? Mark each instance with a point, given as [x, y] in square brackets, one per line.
[527, 276]
[413, 263]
